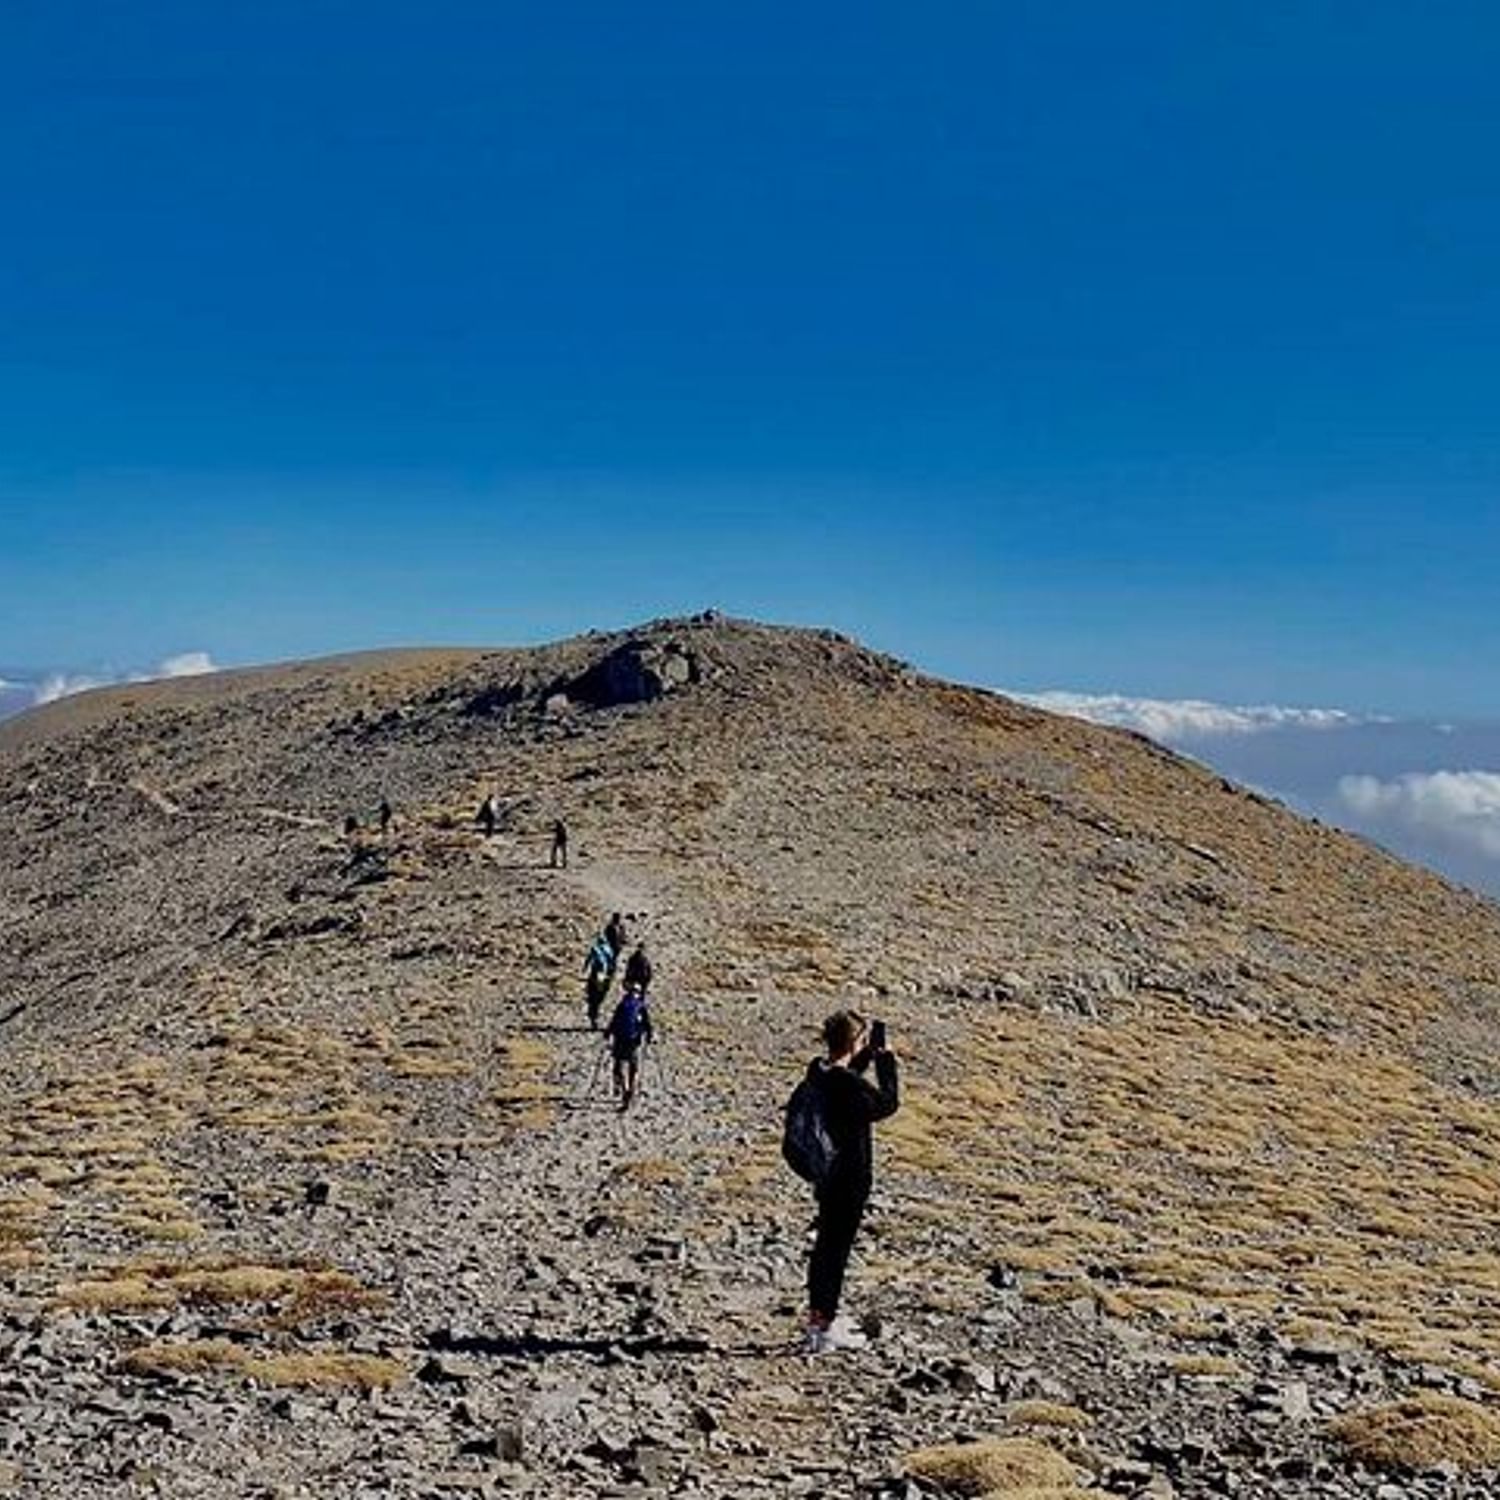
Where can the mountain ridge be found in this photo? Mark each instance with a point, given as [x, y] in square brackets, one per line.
[1190, 1082]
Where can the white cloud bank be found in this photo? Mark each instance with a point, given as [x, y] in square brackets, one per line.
[1460, 807]
[64, 684]
[187, 664]
[1178, 719]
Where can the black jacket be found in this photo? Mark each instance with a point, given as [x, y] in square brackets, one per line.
[851, 1104]
[638, 970]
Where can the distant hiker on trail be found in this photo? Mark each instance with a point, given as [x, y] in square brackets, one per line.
[614, 934]
[828, 1141]
[351, 826]
[628, 1031]
[485, 817]
[385, 817]
[598, 970]
[559, 844]
[638, 969]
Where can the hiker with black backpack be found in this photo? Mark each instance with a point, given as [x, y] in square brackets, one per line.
[827, 1140]
[628, 1031]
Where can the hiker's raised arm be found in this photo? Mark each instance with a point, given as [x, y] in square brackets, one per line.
[885, 1093]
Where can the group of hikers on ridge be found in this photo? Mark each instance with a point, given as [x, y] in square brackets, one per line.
[826, 1136]
[489, 818]
[629, 1027]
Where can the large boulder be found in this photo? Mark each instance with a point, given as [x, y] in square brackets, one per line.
[637, 672]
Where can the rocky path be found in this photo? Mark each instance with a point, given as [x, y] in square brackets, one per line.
[579, 1302]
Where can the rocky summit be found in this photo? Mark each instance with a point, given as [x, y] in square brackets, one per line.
[311, 1183]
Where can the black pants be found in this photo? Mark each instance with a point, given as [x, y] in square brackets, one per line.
[839, 1213]
[594, 993]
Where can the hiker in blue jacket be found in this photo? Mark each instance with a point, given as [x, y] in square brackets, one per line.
[598, 970]
[851, 1103]
[628, 1031]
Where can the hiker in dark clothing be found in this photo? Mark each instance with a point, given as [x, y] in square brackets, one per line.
[385, 817]
[598, 970]
[614, 934]
[559, 844]
[351, 826]
[485, 817]
[628, 1031]
[638, 969]
[851, 1103]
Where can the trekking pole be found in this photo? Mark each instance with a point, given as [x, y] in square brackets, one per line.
[588, 1093]
[661, 1080]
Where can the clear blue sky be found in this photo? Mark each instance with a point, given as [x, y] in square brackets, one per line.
[1150, 348]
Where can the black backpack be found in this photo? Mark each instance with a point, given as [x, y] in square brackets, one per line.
[806, 1145]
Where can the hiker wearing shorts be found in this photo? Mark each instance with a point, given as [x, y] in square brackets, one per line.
[559, 845]
[850, 1105]
[628, 1031]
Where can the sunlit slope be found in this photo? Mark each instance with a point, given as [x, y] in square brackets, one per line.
[1174, 1057]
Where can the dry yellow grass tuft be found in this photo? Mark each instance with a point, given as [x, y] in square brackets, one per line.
[1204, 1366]
[20, 1220]
[1422, 1431]
[1206, 1165]
[994, 1466]
[651, 1171]
[113, 1294]
[295, 1294]
[366, 1372]
[1037, 1492]
[523, 1097]
[1047, 1414]
[409, 1066]
[181, 1359]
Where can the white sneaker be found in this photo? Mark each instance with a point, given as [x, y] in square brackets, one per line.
[833, 1339]
[844, 1335]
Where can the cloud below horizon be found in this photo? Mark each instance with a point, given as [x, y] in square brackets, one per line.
[57, 685]
[1391, 781]
[1178, 719]
[1458, 807]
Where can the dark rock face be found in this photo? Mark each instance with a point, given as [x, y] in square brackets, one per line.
[493, 700]
[637, 672]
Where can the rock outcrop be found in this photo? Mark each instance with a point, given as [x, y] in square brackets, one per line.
[640, 671]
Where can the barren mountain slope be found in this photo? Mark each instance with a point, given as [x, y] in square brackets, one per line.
[1200, 1141]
